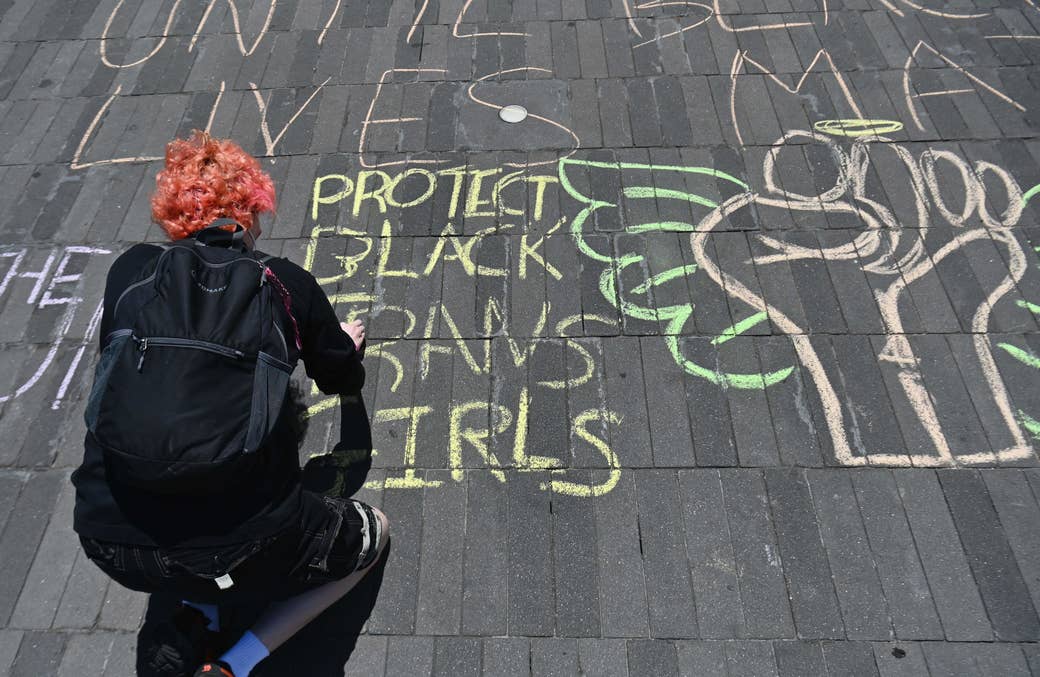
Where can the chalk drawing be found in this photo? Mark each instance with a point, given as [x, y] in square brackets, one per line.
[102, 44]
[1029, 194]
[171, 16]
[910, 98]
[473, 97]
[856, 127]
[269, 143]
[882, 237]
[714, 11]
[51, 281]
[332, 17]
[472, 193]
[676, 316]
[77, 162]
[738, 68]
[689, 27]
[458, 22]
[383, 79]
[891, 6]
[415, 22]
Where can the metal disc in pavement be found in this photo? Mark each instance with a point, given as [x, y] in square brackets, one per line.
[513, 113]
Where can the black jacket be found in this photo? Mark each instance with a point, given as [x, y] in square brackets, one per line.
[257, 507]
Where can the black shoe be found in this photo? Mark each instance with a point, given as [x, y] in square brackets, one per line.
[175, 646]
[214, 669]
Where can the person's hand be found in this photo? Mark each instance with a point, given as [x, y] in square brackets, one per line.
[356, 331]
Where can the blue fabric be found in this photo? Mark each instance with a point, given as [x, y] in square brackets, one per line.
[247, 652]
[211, 613]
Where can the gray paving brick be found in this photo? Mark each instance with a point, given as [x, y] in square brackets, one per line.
[484, 587]
[1000, 581]
[864, 391]
[409, 656]
[123, 609]
[586, 125]
[38, 654]
[439, 607]
[647, 57]
[531, 603]
[750, 658]
[606, 657]
[368, 658]
[1001, 659]
[548, 423]
[909, 598]
[591, 50]
[506, 657]
[554, 656]
[956, 596]
[617, 129]
[86, 654]
[1032, 657]
[622, 582]
[756, 443]
[394, 612]
[457, 656]
[674, 56]
[566, 59]
[644, 118]
[858, 303]
[1017, 509]
[46, 579]
[709, 409]
[713, 570]
[700, 658]
[915, 439]
[895, 660]
[704, 120]
[119, 190]
[808, 573]
[670, 435]
[22, 535]
[84, 594]
[669, 594]
[575, 552]
[598, 314]
[799, 658]
[947, 658]
[24, 139]
[822, 310]
[852, 565]
[289, 218]
[849, 659]
[777, 285]
[9, 642]
[763, 592]
[652, 657]
[675, 127]
[794, 425]
[10, 487]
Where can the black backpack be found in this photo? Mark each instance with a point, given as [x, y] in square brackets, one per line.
[195, 371]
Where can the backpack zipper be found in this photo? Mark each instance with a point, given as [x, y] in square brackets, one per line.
[151, 278]
[143, 344]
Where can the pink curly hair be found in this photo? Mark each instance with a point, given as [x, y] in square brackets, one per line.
[206, 179]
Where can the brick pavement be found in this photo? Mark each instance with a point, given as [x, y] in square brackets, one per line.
[724, 359]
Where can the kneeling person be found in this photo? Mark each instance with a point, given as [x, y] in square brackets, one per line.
[190, 482]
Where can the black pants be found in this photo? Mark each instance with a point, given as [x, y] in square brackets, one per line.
[332, 538]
